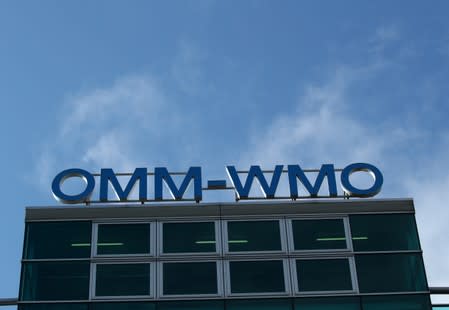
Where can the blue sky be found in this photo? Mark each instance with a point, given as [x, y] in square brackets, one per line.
[121, 84]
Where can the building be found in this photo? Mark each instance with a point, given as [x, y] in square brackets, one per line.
[350, 254]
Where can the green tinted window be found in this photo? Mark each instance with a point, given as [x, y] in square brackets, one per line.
[384, 232]
[122, 280]
[123, 306]
[328, 303]
[396, 302]
[190, 278]
[57, 240]
[65, 306]
[257, 276]
[123, 239]
[390, 273]
[191, 305]
[189, 237]
[55, 281]
[264, 304]
[324, 275]
[319, 234]
[254, 236]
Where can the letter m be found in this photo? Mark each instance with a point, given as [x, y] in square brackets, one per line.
[295, 172]
[162, 174]
[108, 175]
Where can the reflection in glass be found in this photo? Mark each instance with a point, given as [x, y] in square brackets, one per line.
[257, 276]
[323, 275]
[319, 234]
[190, 278]
[122, 279]
[55, 280]
[189, 237]
[123, 239]
[57, 240]
[254, 236]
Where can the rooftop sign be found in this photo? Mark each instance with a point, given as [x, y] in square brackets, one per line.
[326, 174]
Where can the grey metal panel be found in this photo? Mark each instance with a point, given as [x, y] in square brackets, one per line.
[172, 210]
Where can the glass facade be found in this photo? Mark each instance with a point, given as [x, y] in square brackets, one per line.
[283, 262]
[248, 236]
[116, 239]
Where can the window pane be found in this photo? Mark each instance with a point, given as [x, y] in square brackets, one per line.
[390, 273]
[55, 281]
[122, 280]
[189, 237]
[191, 305]
[265, 304]
[254, 236]
[65, 306]
[190, 278]
[324, 275]
[384, 232]
[396, 302]
[328, 303]
[319, 234]
[257, 276]
[123, 239]
[57, 240]
[123, 306]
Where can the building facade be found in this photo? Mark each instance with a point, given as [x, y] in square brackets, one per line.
[311, 255]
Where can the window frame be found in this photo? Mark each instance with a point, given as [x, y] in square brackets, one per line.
[160, 280]
[93, 281]
[286, 272]
[94, 241]
[352, 270]
[282, 231]
[291, 239]
[160, 238]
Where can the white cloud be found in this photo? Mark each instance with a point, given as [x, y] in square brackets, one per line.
[326, 127]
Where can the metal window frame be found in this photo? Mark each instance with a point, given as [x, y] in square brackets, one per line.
[160, 239]
[286, 275]
[94, 242]
[352, 274]
[346, 229]
[160, 280]
[282, 237]
[93, 281]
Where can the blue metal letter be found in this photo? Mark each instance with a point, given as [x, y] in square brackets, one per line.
[356, 192]
[255, 172]
[162, 174]
[108, 175]
[295, 172]
[79, 173]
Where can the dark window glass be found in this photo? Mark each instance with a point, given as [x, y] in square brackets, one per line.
[123, 239]
[55, 281]
[65, 306]
[319, 234]
[264, 304]
[396, 302]
[190, 278]
[390, 273]
[57, 240]
[328, 303]
[257, 276]
[254, 236]
[191, 305]
[384, 232]
[189, 237]
[123, 306]
[122, 280]
[324, 275]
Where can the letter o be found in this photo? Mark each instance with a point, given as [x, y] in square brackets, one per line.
[69, 173]
[356, 192]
